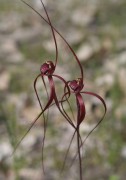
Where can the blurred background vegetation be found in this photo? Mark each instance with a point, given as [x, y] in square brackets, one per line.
[96, 30]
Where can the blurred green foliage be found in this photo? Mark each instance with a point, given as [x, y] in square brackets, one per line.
[114, 177]
[35, 53]
[20, 80]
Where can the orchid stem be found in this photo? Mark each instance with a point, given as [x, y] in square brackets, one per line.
[79, 155]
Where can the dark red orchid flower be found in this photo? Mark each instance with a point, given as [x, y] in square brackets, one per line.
[77, 86]
[45, 65]
[47, 70]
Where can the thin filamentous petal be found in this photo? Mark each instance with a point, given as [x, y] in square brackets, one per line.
[78, 61]
[45, 119]
[105, 108]
[46, 107]
[53, 33]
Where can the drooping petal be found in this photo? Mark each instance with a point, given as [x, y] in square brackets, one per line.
[105, 108]
[32, 124]
[56, 100]
[45, 119]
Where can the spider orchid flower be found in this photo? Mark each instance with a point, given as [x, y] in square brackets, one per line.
[47, 70]
[46, 65]
[77, 89]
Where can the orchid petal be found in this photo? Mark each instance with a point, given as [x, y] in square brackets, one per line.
[46, 107]
[56, 100]
[104, 104]
[45, 120]
[53, 33]
[78, 61]
[105, 108]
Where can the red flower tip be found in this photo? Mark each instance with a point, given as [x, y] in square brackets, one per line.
[47, 68]
[76, 85]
